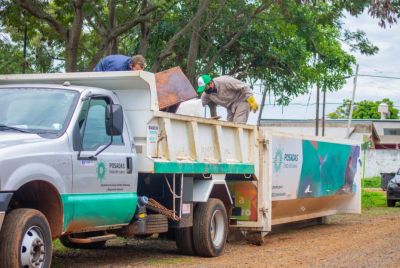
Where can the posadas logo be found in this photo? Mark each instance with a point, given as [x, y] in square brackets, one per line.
[278, 159]
[101, 171]
[285, 160]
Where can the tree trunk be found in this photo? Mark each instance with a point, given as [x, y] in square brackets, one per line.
[234, 38]
[193, 51]
[70, 59]
[144, 39]
[113, 48]
[167, 51]
[113, 33]
[74, 36]
[144, 33]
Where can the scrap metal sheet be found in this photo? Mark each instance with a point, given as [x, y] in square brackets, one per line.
[173, 87]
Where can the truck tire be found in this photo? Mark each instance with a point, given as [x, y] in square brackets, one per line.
[25, 239]
[210, 228]
[64, 239]
[391, 203]
[184, 241]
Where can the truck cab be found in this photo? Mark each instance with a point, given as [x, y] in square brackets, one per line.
[82, 159]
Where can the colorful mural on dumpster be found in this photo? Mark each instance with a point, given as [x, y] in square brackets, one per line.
[244, 197]
[307, 168]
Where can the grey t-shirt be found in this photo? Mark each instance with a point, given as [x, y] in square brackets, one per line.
[230, 92]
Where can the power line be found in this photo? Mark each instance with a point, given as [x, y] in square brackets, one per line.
[379, 76]
[311, 103]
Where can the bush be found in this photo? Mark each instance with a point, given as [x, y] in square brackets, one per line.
[373, 199]
[374, 182]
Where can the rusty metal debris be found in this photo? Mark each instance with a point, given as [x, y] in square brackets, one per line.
[173, 87]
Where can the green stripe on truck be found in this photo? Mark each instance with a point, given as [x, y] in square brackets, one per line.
[203, 168]
[98, 209]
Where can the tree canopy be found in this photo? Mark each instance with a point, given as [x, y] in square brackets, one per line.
[363, 110]
[287, 45]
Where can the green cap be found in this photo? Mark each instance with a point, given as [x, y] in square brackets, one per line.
[202, 82]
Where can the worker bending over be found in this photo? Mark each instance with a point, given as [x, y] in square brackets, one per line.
[121, 63]
[230, 93]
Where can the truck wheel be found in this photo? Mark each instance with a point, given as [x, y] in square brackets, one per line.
[391, 203]
[25, 239]
[210, 228]
[64, 239]
[184, 241]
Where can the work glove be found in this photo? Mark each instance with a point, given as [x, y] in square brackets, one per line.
[253, 103]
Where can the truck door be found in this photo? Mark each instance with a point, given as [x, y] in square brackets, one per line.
[104, 186]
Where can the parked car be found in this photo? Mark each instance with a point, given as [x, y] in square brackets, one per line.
[385, 178]
[393, 190]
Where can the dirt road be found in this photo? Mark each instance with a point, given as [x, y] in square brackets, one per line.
[368, 240]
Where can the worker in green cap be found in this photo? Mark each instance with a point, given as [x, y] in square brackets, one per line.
[228, 92]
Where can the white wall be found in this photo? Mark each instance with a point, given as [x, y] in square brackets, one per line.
[381, 161]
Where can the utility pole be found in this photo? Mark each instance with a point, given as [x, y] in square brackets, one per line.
[316, 59]
[352, 102]
[323, 113]
[25, 45]
[317, 113]
[262, 104]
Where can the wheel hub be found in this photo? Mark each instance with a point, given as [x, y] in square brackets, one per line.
[32, 248]
[217, 228]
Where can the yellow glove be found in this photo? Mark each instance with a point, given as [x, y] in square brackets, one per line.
[253, 103]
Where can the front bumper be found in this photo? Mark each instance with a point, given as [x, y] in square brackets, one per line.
[393, 193]
[5, 199]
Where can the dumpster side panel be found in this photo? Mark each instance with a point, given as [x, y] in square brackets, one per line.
[314, 178]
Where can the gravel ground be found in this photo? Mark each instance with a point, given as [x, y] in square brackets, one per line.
[368, 240]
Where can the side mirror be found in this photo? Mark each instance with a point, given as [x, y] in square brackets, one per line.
[114, 120]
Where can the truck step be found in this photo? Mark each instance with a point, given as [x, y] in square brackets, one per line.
[93, 239]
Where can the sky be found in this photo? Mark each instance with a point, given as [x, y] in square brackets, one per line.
[385, 63]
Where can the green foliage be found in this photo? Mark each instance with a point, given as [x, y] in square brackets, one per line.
[288, 45]
[374, 182]
[11, 58]
[359, 42]
[363, 110]
[372, 199]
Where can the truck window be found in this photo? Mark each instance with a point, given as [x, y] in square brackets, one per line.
[95, 134]
[39, 110]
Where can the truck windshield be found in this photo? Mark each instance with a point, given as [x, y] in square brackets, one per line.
[35, 110]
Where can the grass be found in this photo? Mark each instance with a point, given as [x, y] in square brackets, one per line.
[57, 246]
[373, 199]
[373, 182]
